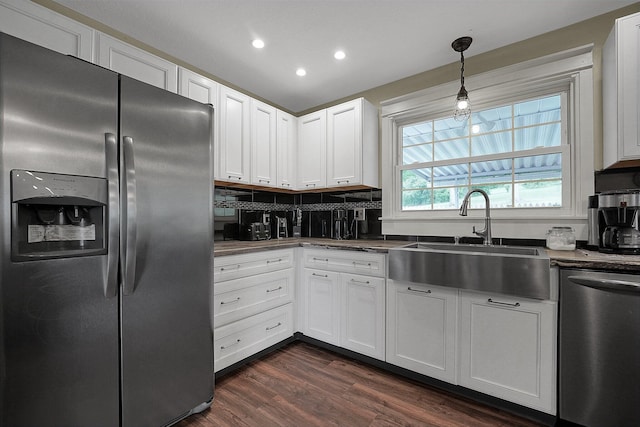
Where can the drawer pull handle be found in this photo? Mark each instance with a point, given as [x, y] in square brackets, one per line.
[237, 267]
[510, 304]
[309, 185]
[409, 288]
[273, 290]
[269, 261]
[340, 181]
[230, 302]
[264, 180]
[268, 328]
[355, 264]
[224, 347]
[286, 184]
[319, 275]
[321, 259]
[366, 282]
[239, 178]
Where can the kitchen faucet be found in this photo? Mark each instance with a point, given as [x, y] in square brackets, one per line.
[486, 232]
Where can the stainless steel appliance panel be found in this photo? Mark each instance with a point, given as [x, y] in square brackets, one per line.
[599, 367]
[166, 254]
[58, 330]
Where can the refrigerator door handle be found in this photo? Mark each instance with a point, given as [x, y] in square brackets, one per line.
[129, 215]
[113, 215]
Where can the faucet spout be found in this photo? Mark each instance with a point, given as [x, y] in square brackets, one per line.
[486, 232]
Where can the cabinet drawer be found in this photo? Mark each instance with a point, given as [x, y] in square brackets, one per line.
[346, 261]
[235, 266]
[241, 339]
[240, 298]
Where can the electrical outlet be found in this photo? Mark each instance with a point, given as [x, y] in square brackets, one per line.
[359, 214]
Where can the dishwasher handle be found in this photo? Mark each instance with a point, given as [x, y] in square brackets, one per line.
[607, 284]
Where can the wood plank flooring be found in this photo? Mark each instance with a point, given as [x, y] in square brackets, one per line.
[303, 385]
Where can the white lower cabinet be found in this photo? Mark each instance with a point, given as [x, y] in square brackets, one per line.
[341, 306]
[421, 329]
[508, 347]
[252, 304]
[362, 314]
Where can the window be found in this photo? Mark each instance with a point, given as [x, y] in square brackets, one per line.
[512, 151]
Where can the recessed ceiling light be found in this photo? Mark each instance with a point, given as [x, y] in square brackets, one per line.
[301, 72]
[339, 54]
[258, 44]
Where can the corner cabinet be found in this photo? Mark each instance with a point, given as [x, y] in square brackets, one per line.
[234, 136]
[508, 348]
[621, 91]
[286, 142]
[204, 90]
[263, 144]
[342, 299]
[352, 144]
[312, 151]
[422, 328]
[136, 63]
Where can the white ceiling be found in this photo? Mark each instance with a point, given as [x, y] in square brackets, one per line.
[385, 40]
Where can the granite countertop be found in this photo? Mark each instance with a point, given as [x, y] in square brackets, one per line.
[579, 258]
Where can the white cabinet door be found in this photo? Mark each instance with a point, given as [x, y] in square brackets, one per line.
[204, 90]
[344, 144]
[621, 91]
[508, 348]
[39, 25]
[352, 144]
[287, 131]
[263, 144]
[312, 151]
[421, 329]
[235, 137]
[362, 320]
[321, 299]
[136, 63]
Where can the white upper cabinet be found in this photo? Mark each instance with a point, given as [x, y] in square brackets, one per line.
[235, 136]
[263, 144]
[41, 26]
[621, 91]
[352, 144]
[286, 136]
[136, 63]
[204, 90]
[312, 151]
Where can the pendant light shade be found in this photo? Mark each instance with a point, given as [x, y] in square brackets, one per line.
[462, 106]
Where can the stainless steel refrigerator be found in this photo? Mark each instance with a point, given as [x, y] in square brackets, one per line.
[106, 246]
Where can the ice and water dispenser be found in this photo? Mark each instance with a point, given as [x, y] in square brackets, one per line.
[57, 216]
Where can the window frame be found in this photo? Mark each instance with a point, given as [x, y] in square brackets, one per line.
[568, 71]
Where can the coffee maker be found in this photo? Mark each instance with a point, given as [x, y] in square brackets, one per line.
[619, 230]
[340, 221]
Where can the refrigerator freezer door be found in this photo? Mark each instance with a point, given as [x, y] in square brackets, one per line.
[167, 360]
[58, 331]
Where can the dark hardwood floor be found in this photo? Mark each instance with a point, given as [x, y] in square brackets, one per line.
[303, 385]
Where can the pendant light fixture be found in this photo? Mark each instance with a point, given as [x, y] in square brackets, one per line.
[462, 108]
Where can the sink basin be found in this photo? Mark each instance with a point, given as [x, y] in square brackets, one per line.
[512, 270]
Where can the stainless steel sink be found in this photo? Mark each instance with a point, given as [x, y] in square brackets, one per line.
[511, 270]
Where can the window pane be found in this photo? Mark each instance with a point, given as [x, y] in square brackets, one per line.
[500, 196]
[492, 171]
[538, 111]
[417, 134]
[417, 154]
[538, 194]
[453, 149]
[450, 128]
[548, 166]
[492, 120]
[538, 136]
[451, 175]
[448, 198]
[416, 200]
[416, 178]
[491, 143]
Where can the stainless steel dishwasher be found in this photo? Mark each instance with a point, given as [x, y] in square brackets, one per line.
[599, 366]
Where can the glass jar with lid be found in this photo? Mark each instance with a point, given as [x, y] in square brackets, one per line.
[561, 239]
